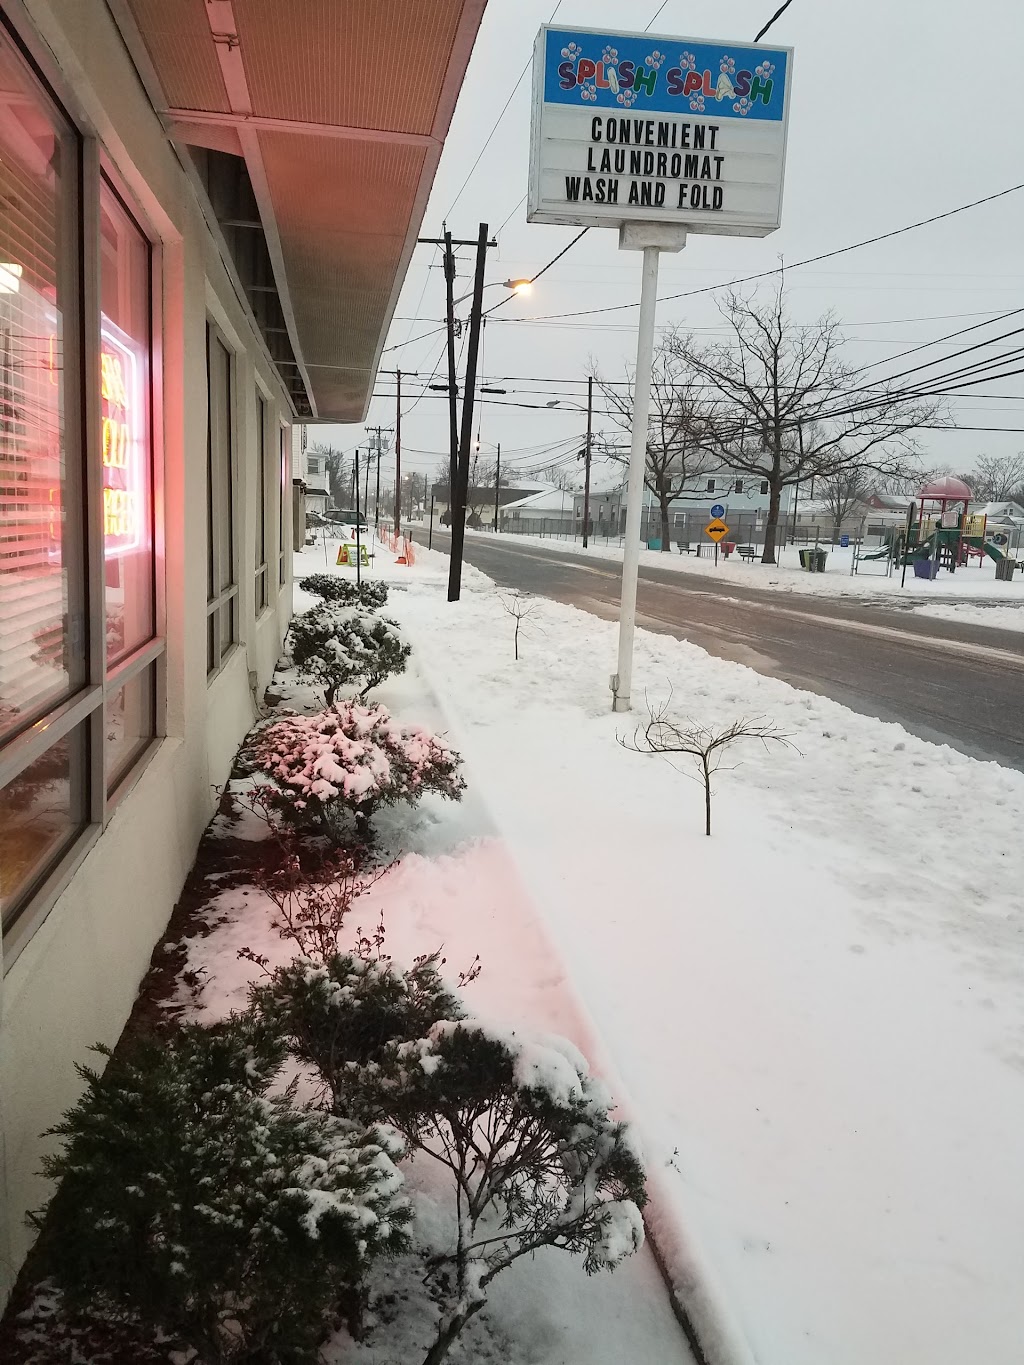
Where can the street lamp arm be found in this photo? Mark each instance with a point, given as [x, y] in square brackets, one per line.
[516, 286]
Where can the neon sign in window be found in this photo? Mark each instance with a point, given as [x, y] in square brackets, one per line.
[125, 514]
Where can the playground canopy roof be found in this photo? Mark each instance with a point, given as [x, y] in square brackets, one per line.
[947, 489]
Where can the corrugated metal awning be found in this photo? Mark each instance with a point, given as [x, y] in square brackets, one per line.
[340, 109]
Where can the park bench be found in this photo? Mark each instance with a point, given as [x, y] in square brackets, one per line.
[747, 552]
[684, 547]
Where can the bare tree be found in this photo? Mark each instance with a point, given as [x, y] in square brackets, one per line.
[519, 606]
[788, 407]
[909, 481]
[997, 478]
[705, 744]
[841, 492]
[676, 428]
[563, 477]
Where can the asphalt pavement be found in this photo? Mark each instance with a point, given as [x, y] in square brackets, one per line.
[948, 681]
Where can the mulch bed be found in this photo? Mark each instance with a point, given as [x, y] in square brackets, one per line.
[31, 1332]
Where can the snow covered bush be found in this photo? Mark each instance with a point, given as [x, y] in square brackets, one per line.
[351, 760]
[332, 588]
[341, 1014]
[536, 1159]
[193, 1203]
[336, 647]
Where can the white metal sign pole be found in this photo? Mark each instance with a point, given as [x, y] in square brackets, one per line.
[652, 238]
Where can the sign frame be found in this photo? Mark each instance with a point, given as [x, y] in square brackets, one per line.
[716, 530]
[705, 220]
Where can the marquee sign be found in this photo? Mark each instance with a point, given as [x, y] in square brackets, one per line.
[637, 128]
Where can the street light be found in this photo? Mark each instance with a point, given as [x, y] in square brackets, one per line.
[516, 286]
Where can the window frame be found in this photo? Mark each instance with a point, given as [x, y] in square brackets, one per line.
[284, 481]
[261, 575]
[228, 596]
[86, 706]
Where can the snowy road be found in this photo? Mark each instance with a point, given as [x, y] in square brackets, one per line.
[944, 680]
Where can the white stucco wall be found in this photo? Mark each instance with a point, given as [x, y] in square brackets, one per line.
[73, 981]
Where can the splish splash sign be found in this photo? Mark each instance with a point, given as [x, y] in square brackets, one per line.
[634, 127]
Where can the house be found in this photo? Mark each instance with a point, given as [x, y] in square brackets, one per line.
[549, 512]
[317, 478]
[202, 242]
[743, 496]
[479, 500]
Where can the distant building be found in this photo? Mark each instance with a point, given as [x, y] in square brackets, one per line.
[546, 513]
[479, 500]
[317, 478]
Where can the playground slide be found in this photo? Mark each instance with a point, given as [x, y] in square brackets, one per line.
[882, 553]
[993, 551]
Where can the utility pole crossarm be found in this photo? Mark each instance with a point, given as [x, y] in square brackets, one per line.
[448, 240]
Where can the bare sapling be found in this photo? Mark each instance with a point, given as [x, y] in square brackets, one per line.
[706, 745]
[519, 606]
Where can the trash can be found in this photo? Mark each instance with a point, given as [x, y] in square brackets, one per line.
[819, 557]
[654, 543]
[1005, 569]
[803, 559]
[928, 568]
[728, 546]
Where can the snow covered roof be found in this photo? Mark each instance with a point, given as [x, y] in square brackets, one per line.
[550, 500]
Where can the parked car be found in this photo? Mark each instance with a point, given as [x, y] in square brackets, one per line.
[343, 520]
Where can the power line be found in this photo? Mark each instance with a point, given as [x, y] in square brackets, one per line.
[533, 278]
[777, 15]
[494, 126]
[1014, 312]
[810, 260]
[409, 341]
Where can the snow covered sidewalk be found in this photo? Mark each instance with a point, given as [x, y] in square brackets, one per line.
[817, 1012]
[456, 887]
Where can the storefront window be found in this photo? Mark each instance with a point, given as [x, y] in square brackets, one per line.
[43, 641]
[44, 635]
[58, 604]
[125, 444]
[130, 719]
[41, 812]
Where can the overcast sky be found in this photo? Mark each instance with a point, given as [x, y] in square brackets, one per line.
[899, 110]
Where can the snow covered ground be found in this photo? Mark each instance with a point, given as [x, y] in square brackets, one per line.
[977, 613]
[975, 582]
[457, 887]
[817, 1013]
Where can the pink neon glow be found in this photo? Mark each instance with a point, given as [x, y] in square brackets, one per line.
[125, 514]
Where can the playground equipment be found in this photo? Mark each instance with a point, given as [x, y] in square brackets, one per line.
[940, 534]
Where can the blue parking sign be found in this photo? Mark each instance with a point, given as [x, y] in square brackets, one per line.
[718, 510]
[844, 541]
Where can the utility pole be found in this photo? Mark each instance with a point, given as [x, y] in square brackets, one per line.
[586, 460]
[376, 496]
[398, 453]
[359, 547]
[497, 489]
[453, 397]
[458, 527]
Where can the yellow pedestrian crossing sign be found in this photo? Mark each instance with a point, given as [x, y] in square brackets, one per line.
[716, 529]
[347, 555]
